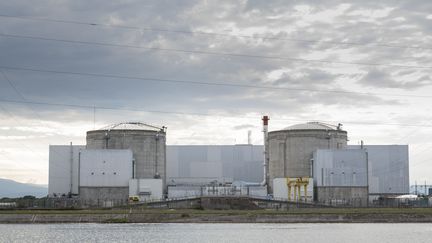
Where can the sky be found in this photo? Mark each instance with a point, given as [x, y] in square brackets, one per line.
[208, 70]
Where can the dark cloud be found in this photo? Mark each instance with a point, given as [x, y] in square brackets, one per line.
[328, 21]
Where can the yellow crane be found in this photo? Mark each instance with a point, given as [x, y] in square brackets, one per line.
[297, 183]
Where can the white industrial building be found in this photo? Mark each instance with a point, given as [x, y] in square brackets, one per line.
[388, 167]
[302, 162]
[241, 162]
[341, 175]
[63, 170]
[118, 161]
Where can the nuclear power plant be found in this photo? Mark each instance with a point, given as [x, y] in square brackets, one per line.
[308, 163]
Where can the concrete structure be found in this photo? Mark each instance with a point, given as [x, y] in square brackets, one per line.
[146, 189]
[105, 168]
[147, 143]
[282, 192]
[341, 175]
[63, 170]
[339, 171]
[239, 162]
[182, 191]
[291, 149]
[104, 174]
[388, 169]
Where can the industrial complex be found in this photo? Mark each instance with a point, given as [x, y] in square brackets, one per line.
[308, 163]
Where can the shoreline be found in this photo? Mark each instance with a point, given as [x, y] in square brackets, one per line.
[335, 215]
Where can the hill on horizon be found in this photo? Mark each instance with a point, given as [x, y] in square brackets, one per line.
[13, 189]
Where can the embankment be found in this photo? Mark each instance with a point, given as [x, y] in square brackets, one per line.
[219, 216]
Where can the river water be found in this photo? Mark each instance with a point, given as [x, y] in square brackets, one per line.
[298, 233]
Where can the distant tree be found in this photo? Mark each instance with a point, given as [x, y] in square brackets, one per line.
[29, 197]
[4, 199]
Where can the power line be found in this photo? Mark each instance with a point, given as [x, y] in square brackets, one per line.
[92, 107]
[231, 84]
[214, 34]
[12, 85]
[213, 53]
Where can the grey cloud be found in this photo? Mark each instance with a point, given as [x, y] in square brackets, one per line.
[243, 126]
[187, 15]
[380, 79]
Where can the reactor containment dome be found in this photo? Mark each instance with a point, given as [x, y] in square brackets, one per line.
[291, 149]
[147, 143]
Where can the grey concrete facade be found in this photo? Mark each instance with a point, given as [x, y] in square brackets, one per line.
[63, 170]
[103, 196]
[239, 162]
[148, 148]
[340, 167]
[291, 150]
[388, 167]
[339, 195]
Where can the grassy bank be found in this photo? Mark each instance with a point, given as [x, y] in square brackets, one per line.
[304, 215]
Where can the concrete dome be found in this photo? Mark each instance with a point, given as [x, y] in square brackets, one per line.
[310, 126]
[132, 126]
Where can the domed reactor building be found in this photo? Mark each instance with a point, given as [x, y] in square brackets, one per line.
[291, 149]
[118, 162]
[147, 143]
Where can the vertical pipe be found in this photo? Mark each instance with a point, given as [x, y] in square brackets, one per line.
[165, 189]
[156, 155]
[299, 192]
[133, 168]
[367, 178]
[289, 189]
[71, 169]
[265, 120]
[79, 170]
[305, 192]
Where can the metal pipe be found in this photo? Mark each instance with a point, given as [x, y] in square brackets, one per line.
[165, 190]
[79, 170]
[156, 173]
[265, 120]
[71, 169]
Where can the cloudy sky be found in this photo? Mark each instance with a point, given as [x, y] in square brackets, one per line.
[209, 69]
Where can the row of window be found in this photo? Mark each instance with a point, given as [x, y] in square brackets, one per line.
[103, 173]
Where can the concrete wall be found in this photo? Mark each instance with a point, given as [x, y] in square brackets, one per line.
[105, 168]
[388, 168]
[340, 167]
[240, 162]
[61, 170]
[354, 196]
[290, 151]
[193, 191]
[102, 196]
[146, 189]
[148, 148]
[184, 191]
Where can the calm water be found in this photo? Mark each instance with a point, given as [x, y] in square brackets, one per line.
[298, 233]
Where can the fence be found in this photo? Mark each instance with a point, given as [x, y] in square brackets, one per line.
[76, 203]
